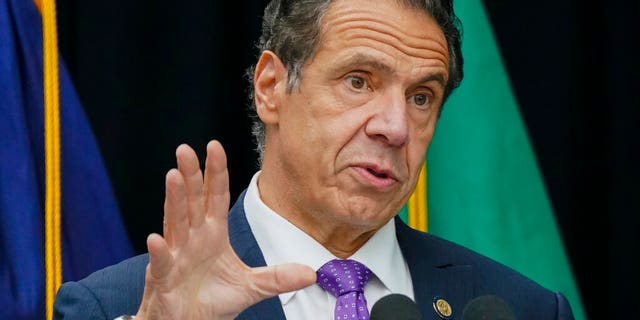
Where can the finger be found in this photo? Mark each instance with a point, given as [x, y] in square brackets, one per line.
[274, 280]
[176, 219]
[216, 181]
[160, 259]
[190, 170]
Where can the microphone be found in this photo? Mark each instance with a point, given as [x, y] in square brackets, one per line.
[395, 307]
[487, 307]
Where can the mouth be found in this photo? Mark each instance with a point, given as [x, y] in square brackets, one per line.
[376, 177]
[378, 174]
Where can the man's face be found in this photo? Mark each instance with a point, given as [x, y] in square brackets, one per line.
[349, 142]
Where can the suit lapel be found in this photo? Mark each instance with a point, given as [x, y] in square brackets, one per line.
[246, 247]
[433, 272]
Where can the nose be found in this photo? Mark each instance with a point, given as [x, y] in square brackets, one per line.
[389, 123]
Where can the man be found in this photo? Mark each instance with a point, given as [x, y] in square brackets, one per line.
[347, 93]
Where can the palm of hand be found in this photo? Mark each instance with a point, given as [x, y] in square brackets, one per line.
[193, 271]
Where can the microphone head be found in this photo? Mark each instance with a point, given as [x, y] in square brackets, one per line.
[395, 307]
[487, 307]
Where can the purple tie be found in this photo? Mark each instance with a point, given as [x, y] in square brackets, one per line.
[345, 279]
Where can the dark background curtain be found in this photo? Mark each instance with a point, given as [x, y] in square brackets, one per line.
[154, 74]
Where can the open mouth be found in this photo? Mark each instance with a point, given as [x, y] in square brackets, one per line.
[372, 176]
[377, 174]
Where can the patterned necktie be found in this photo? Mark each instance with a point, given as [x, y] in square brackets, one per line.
[345, 279]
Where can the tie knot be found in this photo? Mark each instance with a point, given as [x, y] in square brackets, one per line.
[340, 277]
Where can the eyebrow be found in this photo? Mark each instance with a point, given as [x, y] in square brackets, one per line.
[437, 77]
[364, 59]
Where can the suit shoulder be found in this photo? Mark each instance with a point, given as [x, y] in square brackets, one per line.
[488, 269]
[106, 293]
[442, 253]
[529, 299]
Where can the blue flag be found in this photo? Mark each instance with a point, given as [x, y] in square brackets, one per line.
[92, 235]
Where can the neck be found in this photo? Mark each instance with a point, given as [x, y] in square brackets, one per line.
[341, 238]
[345, 247]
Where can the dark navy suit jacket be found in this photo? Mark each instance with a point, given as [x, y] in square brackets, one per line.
[438, 268]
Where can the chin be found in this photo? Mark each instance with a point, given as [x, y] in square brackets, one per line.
[364, 214]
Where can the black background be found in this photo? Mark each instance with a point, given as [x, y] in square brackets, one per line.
[154, 74]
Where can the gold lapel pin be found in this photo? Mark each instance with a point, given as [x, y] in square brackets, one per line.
[442, 308]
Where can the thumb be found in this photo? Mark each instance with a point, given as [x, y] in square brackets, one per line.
[273, 280]
[160, 258]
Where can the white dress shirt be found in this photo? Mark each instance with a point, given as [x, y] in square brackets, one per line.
[281, 242]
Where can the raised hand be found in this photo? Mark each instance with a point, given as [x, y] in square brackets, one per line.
[193, 272]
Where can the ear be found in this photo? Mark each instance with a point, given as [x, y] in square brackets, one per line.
[269, 84]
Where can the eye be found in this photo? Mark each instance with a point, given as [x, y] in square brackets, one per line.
[357, 83]
[421, 100]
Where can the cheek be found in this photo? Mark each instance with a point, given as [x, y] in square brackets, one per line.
[415, 163]
[422, 132]
[313, 136]
[337, 126]
[421, 138]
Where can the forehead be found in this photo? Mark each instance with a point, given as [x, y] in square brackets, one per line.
[385, 27]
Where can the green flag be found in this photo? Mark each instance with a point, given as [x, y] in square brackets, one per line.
[485, 188]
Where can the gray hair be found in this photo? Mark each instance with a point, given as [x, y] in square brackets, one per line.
[292, 30]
